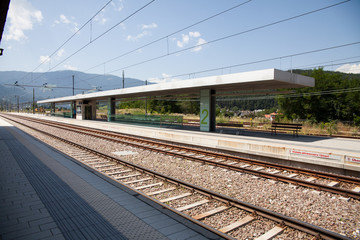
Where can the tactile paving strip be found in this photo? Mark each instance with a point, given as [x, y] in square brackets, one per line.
[75, 218]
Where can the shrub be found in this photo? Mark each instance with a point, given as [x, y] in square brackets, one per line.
[331, 127]
[357, 120]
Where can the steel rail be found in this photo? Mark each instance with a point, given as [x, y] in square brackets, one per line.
[295, 181]
[256, 210]
[225, 156]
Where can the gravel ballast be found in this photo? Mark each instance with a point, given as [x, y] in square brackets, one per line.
[326, 210]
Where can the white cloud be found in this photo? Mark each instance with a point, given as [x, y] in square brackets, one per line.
[118, 5]
[103, 20]
[100, 17]
[69, 67]
[123, 26]
[164, 78]
[60, 52]
[144, 33]
[199, 45]
[184, 41]
[149, 26]
[191, 37]
[137, 37]
[45, 59]
[21, 16]
[194, 34]
[65, 20]
[349, 68]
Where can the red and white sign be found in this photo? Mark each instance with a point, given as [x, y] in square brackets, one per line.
[304, 153]
[353, 159]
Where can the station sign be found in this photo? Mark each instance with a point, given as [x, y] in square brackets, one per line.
[205, 96]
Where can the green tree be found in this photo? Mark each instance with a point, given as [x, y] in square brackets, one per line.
[334, 97]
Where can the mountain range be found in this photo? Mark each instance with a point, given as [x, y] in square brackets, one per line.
[56, 84]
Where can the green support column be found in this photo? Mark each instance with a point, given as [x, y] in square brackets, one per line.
[72, 115]
[207, 110]
[111, 109]
[52, 113]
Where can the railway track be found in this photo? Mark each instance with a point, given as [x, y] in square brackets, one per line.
[333, 183]
[195, 203]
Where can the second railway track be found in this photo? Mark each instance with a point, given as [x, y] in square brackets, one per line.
[333, 183]
[183, 198]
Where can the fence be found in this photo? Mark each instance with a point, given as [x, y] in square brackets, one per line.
[153, 120]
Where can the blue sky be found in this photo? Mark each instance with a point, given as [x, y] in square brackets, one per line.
[36, 28]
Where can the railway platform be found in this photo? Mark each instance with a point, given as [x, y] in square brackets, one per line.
[337, 155]
[46, 195]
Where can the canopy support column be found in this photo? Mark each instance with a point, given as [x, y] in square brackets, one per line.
[111, 109]
[207, 110]
[52, 111]
[73, 109]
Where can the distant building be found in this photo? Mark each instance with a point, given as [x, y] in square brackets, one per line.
[272, 116]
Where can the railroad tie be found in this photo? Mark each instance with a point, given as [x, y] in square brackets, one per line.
[292, 175]
[128, 176]
[333, 184]
[210, 213]
[150, 185]
[161, 191]
[175, 197]
[271, 233]
[193, 205]
[138, 180]
[310, 179]
[237, 224]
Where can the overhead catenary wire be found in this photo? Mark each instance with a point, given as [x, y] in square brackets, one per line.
[104, 33]
[219, 39]
[328, 65]
[230, 36]
[171, 34]
[68, 40]
[98, 37]
[327, 62]
[267, 59]
[46, 87]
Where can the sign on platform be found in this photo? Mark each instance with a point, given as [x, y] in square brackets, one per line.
[303, 153]
[352, 159]
[205, 110]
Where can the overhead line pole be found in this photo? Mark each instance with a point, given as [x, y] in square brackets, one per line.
[73, 103]
[18, 106]
[123, 78]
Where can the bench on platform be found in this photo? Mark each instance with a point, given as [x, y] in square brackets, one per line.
[294, 127]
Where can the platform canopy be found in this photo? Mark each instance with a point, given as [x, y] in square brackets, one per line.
[254, 80]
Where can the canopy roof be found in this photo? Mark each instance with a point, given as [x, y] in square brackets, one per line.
[254, 80]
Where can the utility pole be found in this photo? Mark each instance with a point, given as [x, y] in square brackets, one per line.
[123, 75]
[73, 102]
[33, 100]
[18, 106]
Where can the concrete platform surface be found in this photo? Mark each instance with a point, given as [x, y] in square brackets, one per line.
[337, 153]
[46, 195]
